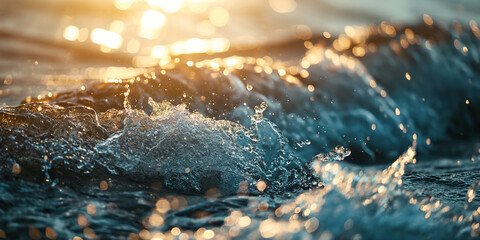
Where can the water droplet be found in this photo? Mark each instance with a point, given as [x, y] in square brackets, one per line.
[249, 87]
[126, 102]
[258, 116]
[337, 154]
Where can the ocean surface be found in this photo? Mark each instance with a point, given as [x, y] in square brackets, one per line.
[276, 119]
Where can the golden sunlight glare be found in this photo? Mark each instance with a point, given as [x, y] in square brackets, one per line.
[166, 5]
[71, 33]
[152, 19]
[106, 38]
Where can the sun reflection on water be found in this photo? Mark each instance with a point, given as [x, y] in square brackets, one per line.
[144, 29]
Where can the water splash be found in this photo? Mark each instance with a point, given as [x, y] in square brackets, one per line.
[184, 151]
[337, 154]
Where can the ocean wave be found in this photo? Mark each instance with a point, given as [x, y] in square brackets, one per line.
[421, 80]
[184, 151]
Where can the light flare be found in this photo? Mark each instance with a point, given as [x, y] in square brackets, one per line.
[106, 38]
[71, 33]
[152, 19]
[123, 4]
[283, 6]
[169, 6]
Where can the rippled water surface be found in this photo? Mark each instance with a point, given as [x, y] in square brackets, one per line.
[327, 121]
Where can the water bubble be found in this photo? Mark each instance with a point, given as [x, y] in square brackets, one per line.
[249, 87]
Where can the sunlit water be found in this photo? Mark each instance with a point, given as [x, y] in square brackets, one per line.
[370, 132]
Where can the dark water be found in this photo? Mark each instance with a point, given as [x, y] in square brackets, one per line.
[374, 143]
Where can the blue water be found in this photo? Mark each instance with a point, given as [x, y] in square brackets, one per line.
[315, 143]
